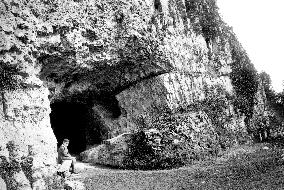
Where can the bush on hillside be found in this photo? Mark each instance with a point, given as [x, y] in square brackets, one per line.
[165, 155]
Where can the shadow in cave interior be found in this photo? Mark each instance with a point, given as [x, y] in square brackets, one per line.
[74, 121]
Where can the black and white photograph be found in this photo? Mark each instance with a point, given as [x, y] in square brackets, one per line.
[141, 95]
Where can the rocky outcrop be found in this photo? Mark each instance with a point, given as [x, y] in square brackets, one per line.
[130, 65]
[24, 120]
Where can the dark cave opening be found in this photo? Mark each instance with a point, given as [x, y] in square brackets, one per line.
[74, 121]
[84, 124]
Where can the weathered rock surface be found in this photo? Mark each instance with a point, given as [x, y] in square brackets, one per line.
[128, 61]
[112, 152]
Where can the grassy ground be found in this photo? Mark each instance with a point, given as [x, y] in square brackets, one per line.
[258, 166]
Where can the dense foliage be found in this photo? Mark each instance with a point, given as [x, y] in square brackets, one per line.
[146, 153]
[274, 104]
[274, 99]
[205, 18]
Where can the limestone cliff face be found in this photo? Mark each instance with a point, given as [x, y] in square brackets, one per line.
[25, 106]
[144, 55]
[192, 74]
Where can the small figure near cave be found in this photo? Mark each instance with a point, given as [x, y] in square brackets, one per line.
[63, 155]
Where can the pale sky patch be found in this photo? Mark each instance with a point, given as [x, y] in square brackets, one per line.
[259, 26]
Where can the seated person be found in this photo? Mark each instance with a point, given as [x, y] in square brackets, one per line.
[63, 154]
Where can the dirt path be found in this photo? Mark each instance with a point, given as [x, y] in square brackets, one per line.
[247, 167]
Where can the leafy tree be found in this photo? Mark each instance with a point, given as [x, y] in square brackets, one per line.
[266, 80]
[205, 18]
[279, 99]
[271, 95]
[244, 78]
[274, 106]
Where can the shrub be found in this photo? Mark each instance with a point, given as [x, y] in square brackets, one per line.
[140, 154]
[54, 182]
[144, 155]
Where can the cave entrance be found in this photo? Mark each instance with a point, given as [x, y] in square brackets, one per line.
[76, 122]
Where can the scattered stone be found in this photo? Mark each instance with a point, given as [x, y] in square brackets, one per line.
[73, 185]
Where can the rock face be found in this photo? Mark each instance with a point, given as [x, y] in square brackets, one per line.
[121, 66]
[25, 121]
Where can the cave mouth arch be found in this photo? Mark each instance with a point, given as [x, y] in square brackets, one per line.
[75, 121]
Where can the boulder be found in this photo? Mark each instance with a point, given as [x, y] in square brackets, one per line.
[112, 152]
[74, 185]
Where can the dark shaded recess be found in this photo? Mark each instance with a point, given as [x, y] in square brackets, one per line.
[76, 122]
[106, 107]
[90, 34]
[110, 80]
[158, 5]
[110, 104]
[79, 123]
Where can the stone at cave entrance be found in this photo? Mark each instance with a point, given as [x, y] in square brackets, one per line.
[112, 152]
